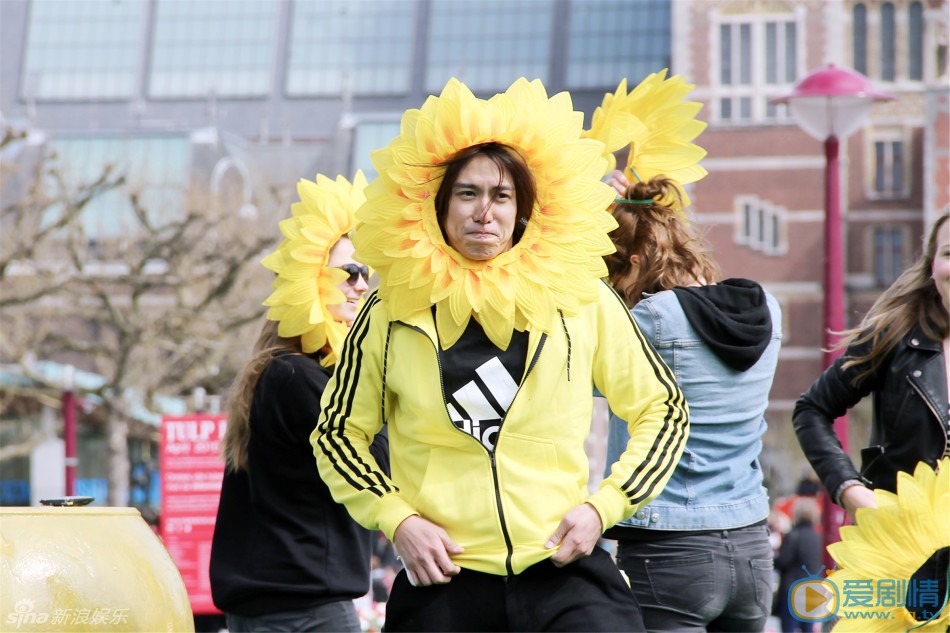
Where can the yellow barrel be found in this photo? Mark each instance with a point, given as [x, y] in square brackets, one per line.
[87, 569]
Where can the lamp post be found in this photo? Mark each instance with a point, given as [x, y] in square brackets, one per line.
[830, 104]
[69, 430]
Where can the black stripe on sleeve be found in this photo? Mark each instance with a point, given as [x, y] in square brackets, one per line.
[332, 441]
[659, 459]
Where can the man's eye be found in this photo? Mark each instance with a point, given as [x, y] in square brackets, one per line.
[466, 194]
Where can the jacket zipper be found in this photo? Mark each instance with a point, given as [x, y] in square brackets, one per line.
[491, 454]
[933, 409]
[494, 468]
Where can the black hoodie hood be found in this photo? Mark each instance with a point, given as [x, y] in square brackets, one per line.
[731, 317]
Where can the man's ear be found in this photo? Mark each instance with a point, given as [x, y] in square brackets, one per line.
[635, 260]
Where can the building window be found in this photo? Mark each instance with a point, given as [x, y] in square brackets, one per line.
[488, 44]
[81, 49]
[888, 255]
[339, 45]
[859, 38]
[760, 225]
[155, 170]
[371, 135]
[757, 61]
[888, 63]
[890, 164]
[204, 47]
[611, 39]
[916, 42]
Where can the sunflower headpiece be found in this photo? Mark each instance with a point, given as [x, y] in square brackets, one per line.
[305, 285]
[658, 126]
[895, 553]
[557, 263]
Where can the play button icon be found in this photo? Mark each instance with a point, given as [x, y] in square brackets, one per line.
[813, 599]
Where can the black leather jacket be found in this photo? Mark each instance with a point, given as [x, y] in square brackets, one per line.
[910, 415]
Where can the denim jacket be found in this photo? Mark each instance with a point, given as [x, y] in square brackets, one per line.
[718, 481]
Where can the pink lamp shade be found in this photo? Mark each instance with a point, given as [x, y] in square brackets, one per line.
[832, 101]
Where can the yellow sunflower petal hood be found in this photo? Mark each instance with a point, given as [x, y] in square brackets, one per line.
[657, 125]
[890, 543]
[556, 265]
[304, 285]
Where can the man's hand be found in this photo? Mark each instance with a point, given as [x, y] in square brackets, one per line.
[619, 182]
[855, 497]
[425, 548]
[576, 535]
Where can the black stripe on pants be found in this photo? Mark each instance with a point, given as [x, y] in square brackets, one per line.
[588, 595]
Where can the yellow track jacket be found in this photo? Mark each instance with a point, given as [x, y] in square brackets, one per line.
[500, 507]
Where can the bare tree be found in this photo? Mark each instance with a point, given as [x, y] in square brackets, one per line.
[170, 305]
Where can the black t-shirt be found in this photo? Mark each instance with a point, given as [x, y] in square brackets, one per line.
[480, 381]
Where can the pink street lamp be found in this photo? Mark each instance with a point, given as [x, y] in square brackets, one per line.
[830, 104]
[69, 429]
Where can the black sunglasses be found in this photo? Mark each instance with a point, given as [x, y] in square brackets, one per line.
[355, 271]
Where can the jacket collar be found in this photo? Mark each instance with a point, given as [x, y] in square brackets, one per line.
[918, 339]
[423, 321]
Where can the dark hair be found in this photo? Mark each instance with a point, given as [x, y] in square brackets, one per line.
[508, 161]
[671, 253]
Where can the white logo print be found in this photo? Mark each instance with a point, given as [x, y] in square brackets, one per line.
[476, 415]
[23, 614]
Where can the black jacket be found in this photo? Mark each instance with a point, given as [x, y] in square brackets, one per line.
[910, 414]
[280, 541]
[801, 546]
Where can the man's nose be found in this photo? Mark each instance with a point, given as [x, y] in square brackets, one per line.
[484, 214]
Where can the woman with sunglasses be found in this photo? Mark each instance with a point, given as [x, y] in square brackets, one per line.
[285, 556]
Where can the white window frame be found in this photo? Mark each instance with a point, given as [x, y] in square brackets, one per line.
[775, 232]
[887, 136]
[902, 256]
[758, 90]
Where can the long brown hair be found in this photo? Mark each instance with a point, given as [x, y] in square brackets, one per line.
[237, 436]
[671, 252]
[911, 299]
[509, 161]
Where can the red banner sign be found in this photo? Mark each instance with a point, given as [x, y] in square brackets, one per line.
[191, 470]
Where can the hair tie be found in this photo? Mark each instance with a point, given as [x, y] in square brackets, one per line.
[635, 174]
[629, 201]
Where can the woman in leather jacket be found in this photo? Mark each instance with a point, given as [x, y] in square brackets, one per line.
[898, 355]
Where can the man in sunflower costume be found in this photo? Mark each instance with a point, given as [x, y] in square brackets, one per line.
[480, 350]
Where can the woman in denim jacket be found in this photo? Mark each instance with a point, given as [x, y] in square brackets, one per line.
[698, 556]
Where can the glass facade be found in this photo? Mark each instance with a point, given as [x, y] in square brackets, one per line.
[154, 168]
[204, 47]
[371, 135]
[488, 44]
[363, 46]
[612, 39]
[82, 49]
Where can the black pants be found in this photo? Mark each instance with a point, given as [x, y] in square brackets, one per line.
[588, 595]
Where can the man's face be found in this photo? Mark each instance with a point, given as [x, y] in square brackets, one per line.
[480, 220]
